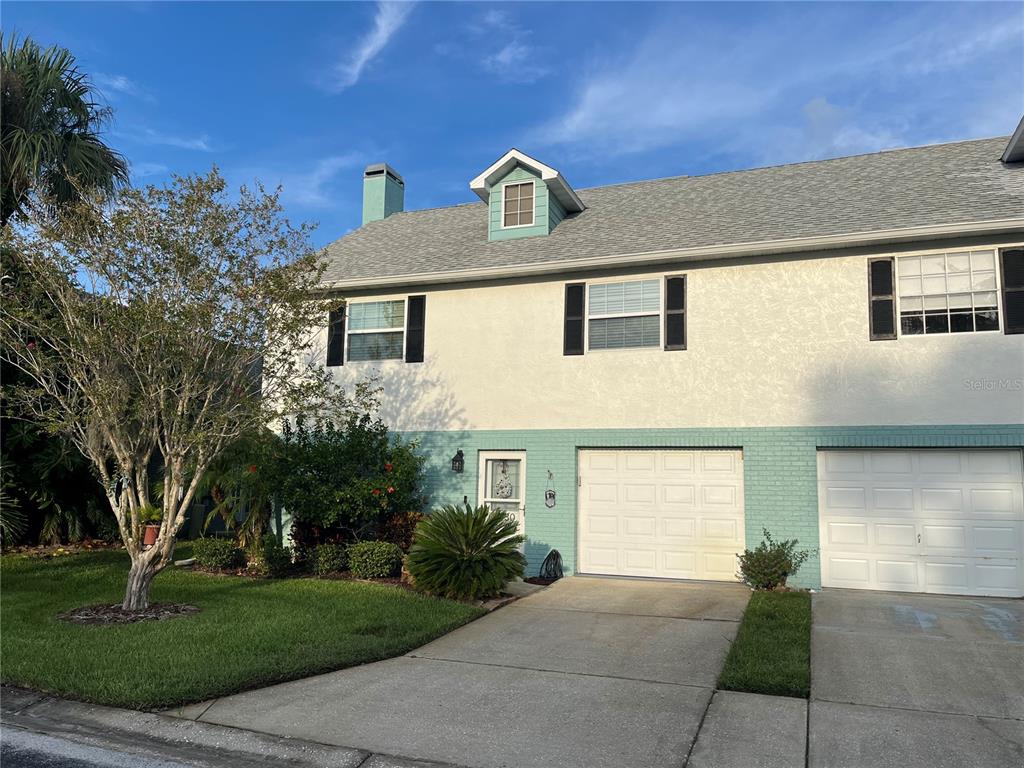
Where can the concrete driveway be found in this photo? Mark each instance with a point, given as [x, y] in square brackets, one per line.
[590, 672]
[908, 680]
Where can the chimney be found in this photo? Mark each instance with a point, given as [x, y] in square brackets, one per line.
[383, 192]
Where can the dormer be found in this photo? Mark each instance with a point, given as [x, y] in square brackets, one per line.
[524, 197]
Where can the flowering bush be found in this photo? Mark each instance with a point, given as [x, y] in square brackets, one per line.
[344, 482]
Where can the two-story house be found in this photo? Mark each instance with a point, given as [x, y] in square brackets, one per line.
[650, 374]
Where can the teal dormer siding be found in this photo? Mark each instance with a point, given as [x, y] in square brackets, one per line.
[547, 210]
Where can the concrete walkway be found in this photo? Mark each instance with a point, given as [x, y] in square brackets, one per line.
[916, 680]
[588, 673]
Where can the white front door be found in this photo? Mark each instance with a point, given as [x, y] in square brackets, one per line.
[503, 483]
[945, 521]
[671, 513]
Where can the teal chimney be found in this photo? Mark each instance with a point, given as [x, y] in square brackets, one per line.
[383, 192]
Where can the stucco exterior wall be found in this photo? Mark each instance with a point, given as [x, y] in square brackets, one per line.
[774, 342]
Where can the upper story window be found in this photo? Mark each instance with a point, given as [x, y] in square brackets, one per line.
[376, 330]
[517, 205]
[622, 315]
[954, 292]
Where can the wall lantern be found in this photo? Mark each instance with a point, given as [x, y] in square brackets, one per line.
[458, 461]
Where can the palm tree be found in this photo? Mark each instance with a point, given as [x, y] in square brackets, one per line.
[50, 122]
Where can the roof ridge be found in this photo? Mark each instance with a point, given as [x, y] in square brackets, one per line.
[820, 161]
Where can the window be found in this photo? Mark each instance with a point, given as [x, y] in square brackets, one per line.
[517, 205]
[375, 330]
[948, 293]
[621, 315]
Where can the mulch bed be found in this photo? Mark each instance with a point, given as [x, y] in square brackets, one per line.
[112, 614]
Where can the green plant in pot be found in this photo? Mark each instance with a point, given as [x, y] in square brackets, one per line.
[150, 517]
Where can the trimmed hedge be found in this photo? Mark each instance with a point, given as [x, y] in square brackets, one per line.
[374, 559]
[330, 558]
[217, 554]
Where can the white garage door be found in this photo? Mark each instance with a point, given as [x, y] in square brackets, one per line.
[670, 513]
[922, 521]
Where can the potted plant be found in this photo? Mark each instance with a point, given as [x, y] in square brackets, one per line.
[150, 517]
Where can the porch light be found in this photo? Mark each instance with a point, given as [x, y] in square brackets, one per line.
[458, 461]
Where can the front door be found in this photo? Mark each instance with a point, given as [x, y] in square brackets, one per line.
[503, 483]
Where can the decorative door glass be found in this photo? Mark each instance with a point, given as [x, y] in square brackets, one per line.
[502, 483]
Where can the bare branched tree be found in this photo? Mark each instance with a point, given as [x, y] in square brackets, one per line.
[158, 330]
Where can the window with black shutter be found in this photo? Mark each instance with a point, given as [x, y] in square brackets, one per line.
[675, 312]
[572, 340]
[336, 337]
[414, 329]
[1013, 290]
[882, 299]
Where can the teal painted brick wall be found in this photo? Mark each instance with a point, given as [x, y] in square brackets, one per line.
[780, 471]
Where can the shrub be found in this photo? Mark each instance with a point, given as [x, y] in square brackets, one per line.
[374, 559]
[465, 553]
[269, 558]
[216, 554]
[771, 562]
[350, 477]
[400, 528]
[330, 558]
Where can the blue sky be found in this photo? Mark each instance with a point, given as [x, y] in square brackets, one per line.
[306, 94]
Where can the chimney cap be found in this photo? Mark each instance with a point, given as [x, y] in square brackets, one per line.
[376, 169]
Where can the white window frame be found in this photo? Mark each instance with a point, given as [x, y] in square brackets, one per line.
[611, 281]
[503, 201]
[349, 333]
[996, 249]
[481, 496]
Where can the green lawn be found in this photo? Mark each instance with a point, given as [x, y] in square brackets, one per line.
[249, 633]
[772, 651]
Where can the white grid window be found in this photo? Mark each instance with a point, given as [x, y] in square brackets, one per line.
[954, 292]
[623, 315]
[517, 205]
[376, 330]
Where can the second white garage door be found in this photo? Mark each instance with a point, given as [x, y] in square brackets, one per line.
[663, 513]
[922, 521]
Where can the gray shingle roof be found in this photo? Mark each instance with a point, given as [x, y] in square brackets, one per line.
[956, 183]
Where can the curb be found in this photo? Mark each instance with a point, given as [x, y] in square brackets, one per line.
[194, 743]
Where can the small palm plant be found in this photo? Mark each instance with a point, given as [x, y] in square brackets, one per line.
[465, 553]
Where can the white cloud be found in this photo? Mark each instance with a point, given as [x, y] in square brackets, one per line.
[795, 85]
[151, 137]
[144, 169]
[388, 20]
[312, 187]
[515, 60]
[120, 84]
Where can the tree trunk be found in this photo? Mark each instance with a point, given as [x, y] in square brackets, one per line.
[136, 594]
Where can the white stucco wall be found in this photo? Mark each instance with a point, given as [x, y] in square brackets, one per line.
[773, 342]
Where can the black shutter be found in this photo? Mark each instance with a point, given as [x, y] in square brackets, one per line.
[336, 337]
[675, 313]
[882, 298]
[1013, 290]
[414, 328]
[572, 342]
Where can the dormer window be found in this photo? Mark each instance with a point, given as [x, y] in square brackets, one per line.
[517, 205]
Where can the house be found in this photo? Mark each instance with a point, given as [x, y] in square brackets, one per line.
[647, 375]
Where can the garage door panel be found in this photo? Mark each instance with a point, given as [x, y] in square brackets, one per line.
[889, 535]
[942, 521]
[887, 463]
[847, 498]
[951, 537]
[684, 520]
[993, 501]
[897, 574]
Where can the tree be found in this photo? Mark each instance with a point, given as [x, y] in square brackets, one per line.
[50, 121]
[157, 331]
